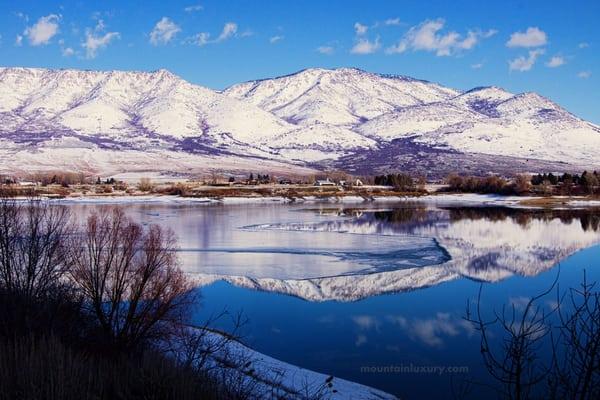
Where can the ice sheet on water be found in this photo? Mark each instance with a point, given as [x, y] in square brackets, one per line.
[371, 250]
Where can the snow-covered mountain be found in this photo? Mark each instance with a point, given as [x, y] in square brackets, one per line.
[115, 121]
[344, 96]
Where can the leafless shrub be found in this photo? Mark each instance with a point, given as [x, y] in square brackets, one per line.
[540, 354]
[130, 278]
[514, 364]
[522, 184]
[177, 189]
[145, 185]
[576, 371]
[31, 246]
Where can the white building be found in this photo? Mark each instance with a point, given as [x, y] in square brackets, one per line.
[325, 182]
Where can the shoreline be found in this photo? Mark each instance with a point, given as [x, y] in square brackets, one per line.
[275, 376]
[432, 198]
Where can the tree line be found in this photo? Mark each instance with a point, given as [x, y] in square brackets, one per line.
[541, 184]
[586, 183]
[401, 182]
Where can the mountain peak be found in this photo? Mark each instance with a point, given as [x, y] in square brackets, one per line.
[491, 88]
[341, 96]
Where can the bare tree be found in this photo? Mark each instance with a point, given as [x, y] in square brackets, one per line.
[514, 360]
[538, 354]
[32, 234]
[130, 277]
[576, 372]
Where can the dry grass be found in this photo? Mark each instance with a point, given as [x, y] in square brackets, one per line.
[549, 202]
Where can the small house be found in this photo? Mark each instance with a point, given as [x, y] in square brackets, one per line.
[325, 182]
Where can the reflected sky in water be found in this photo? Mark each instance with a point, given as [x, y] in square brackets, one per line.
[335, 288]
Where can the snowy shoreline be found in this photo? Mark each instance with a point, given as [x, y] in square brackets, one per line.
[278, 377]
[443, 198]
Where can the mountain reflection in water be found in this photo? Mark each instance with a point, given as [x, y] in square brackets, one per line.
[480, 243]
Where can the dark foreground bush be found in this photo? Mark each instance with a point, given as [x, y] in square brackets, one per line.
[51, 349]
[45, 368]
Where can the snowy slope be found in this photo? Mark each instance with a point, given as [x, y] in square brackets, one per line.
[344, 96]
[118, 103]
[525, 125]
[486, 120]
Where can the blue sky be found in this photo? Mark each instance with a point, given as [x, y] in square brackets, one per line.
[551, 47]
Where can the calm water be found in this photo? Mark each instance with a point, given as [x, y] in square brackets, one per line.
[338, 288]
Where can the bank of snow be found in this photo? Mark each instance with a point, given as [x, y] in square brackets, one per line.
[475, 199]
[271, 378]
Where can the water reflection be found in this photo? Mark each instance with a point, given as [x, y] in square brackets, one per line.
[350, 253]
[481, 243]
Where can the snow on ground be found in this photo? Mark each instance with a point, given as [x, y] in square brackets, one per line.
[474, 198]
[134, 199]
[290, 381]
[583, 203]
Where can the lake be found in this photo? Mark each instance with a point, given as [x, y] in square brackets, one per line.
[373, 293]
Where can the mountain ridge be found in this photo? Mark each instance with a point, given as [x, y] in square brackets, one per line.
[306, 121]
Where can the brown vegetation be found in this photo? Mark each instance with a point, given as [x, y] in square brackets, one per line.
[145, 185]
[129, 277]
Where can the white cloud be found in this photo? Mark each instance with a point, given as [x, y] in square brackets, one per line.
[193, 8]
[365, 46]
[67, 51]
[360, 29]
[584, 74]
[229, 29]
[532, 37]
[19, 40]
[275, 39]
[477, 66]
[432, 331]
[22, 16]
[43, 30]
[583, 45]
[519, 302]
[164, 31]
[556, 61]
[366, 322]
[427, 37]
[392, 21]
[360, 340]
[95, 40]
[489, 33]
[523, 63]
[247, 33]
[200, 39]
[329, 50]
